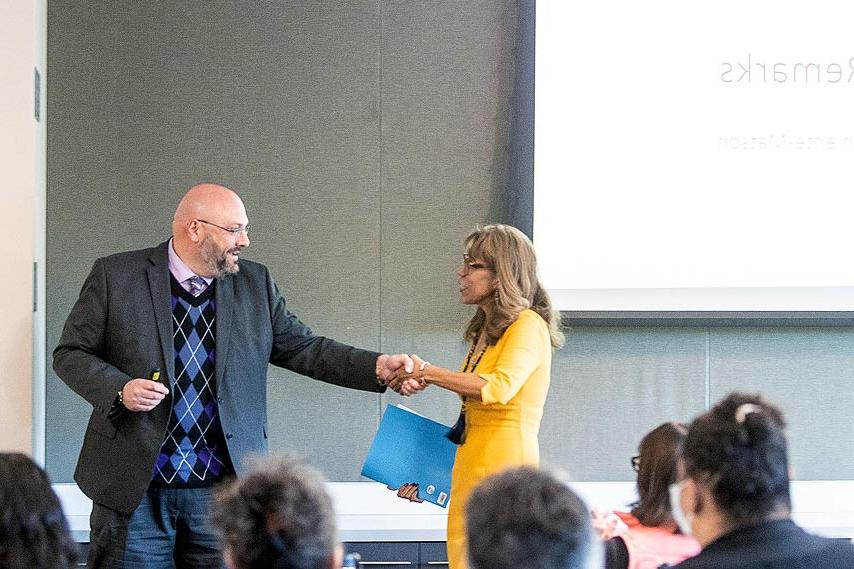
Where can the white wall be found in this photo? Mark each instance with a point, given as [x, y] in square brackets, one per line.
[22, 159]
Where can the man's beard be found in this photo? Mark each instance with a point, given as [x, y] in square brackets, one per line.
[217, 259]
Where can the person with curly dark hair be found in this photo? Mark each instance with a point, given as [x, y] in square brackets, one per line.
[278, 517]
[33, 531]
[526, 518]
[734, 493]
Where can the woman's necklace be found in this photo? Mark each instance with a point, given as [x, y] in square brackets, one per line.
[458, 431]
[471, 369]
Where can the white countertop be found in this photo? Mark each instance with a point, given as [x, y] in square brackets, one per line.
[368, 511]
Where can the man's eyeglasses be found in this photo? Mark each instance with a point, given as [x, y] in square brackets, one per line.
[636, 462]
[233, 230]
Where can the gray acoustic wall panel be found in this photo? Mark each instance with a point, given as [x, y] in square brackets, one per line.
[279, 102]
[446, 71]
[322, 208]
[810, 374]
[612, 385]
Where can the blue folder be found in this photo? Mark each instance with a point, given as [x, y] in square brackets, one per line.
[412, 448]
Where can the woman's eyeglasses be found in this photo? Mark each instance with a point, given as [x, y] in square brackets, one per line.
[470, 265]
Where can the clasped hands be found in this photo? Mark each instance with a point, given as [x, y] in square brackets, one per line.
[407, 377]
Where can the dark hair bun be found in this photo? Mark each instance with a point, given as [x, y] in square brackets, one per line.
[739, 449]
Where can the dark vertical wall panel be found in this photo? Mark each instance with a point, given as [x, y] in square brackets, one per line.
[518, 199]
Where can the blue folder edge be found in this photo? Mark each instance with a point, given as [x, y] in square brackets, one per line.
[411, 448]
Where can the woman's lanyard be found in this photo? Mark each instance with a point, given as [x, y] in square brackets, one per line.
[476, 361]
[457, 433]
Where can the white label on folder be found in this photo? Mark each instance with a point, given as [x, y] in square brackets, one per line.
[442, 498]
[431, 489]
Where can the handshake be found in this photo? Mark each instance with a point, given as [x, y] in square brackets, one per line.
[402, 373]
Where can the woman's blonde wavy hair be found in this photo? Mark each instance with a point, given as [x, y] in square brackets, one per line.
[511, 255]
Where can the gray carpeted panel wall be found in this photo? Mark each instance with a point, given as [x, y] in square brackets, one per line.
[367, 138]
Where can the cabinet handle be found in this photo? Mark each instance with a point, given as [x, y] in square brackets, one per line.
[361, 563]
[437, 563]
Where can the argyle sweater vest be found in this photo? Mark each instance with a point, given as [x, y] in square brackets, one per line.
[193, 454]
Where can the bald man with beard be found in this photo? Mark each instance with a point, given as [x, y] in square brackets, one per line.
[170, 346]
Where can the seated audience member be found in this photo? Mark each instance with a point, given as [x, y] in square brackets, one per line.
[524, 518]
[278, 517]
[734, 494]
[33, 530]
[647, 536]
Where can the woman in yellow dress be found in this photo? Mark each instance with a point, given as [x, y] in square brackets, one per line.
[504, 379]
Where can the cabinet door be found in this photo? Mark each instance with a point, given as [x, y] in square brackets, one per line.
[433, 555]
[82, 552]
[388, 555]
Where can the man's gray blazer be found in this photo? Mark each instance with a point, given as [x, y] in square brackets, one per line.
[121, 328]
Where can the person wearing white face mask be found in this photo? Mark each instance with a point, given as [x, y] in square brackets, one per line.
[734, 493]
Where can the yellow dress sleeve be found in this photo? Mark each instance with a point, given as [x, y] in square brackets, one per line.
[524, 347]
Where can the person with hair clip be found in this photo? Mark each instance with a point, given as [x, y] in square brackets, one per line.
[278, 517]
[734, 493]
[504, 379]
[33, 531]
[648, 536]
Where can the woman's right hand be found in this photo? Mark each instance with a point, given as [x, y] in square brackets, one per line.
[409, 491]
[606, 524]
[408, 384]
